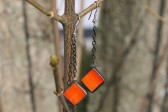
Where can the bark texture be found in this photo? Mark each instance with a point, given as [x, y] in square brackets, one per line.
[126, 53]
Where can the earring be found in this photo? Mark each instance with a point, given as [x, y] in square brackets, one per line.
[74, 93]
[93, 79]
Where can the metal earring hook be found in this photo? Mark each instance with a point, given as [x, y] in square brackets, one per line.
[97, 5]
[77, 24]
[90, 15]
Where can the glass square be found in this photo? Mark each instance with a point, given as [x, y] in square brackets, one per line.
[92, 80]
[75, 93]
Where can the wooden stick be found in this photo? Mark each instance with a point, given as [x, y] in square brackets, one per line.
[45, 11]
[57, 44]
[90, 8]
[157, 16]
[59, 91]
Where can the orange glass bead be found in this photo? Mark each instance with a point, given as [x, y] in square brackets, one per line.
[92, 80]
[75, 93]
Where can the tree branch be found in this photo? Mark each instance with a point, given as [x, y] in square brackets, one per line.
[0, 105]
[54, 61]
[69, 22]
[45, 11]
[90, 8]
[57, 44]
[157, 16]
[59, 91]
[152, 84]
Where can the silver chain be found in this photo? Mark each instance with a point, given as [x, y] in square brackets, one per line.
[73, 62]
[94, 37]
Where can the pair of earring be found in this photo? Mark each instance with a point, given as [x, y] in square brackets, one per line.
[92, 80]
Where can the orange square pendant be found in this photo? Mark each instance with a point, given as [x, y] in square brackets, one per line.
[92, 80]
[75, 93]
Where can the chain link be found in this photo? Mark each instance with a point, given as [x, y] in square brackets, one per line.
[94, 41]
[94, 36]
[93, 47]
[72, 63]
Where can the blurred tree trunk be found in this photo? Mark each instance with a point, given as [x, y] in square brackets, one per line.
[13, 63]
[1, 110]
[127, 43]
[26, 43]
[164, 107]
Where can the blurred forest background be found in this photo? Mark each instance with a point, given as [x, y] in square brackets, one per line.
[132, 55]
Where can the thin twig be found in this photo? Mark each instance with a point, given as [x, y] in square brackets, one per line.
[157, 49]
[57, 42]
[152, 83]
[0, 105]
[164, 105]
[44, 10]
[157, 16]
[59, 91]
[90, 8]
[54, 61]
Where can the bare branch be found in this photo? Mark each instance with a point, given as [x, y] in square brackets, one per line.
[0, 105]
[58, 69]
[59, 91]
[90, 8]
[152, 84]
[157, 16]
[69, 23]
[45, 11]
[54, 61]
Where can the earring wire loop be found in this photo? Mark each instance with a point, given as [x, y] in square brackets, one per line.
[77, 24]
[97, 5]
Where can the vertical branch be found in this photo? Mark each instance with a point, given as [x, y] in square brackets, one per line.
[164, 107]
[152, 83]
[116, 95]
[57, 44]
[80, 40]
[70, 17]
[32, 96]
[67, 57]
[59, 91]
[70, 21]
[69, 8]
[0, 105]
[147, 102]
[157, 49]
